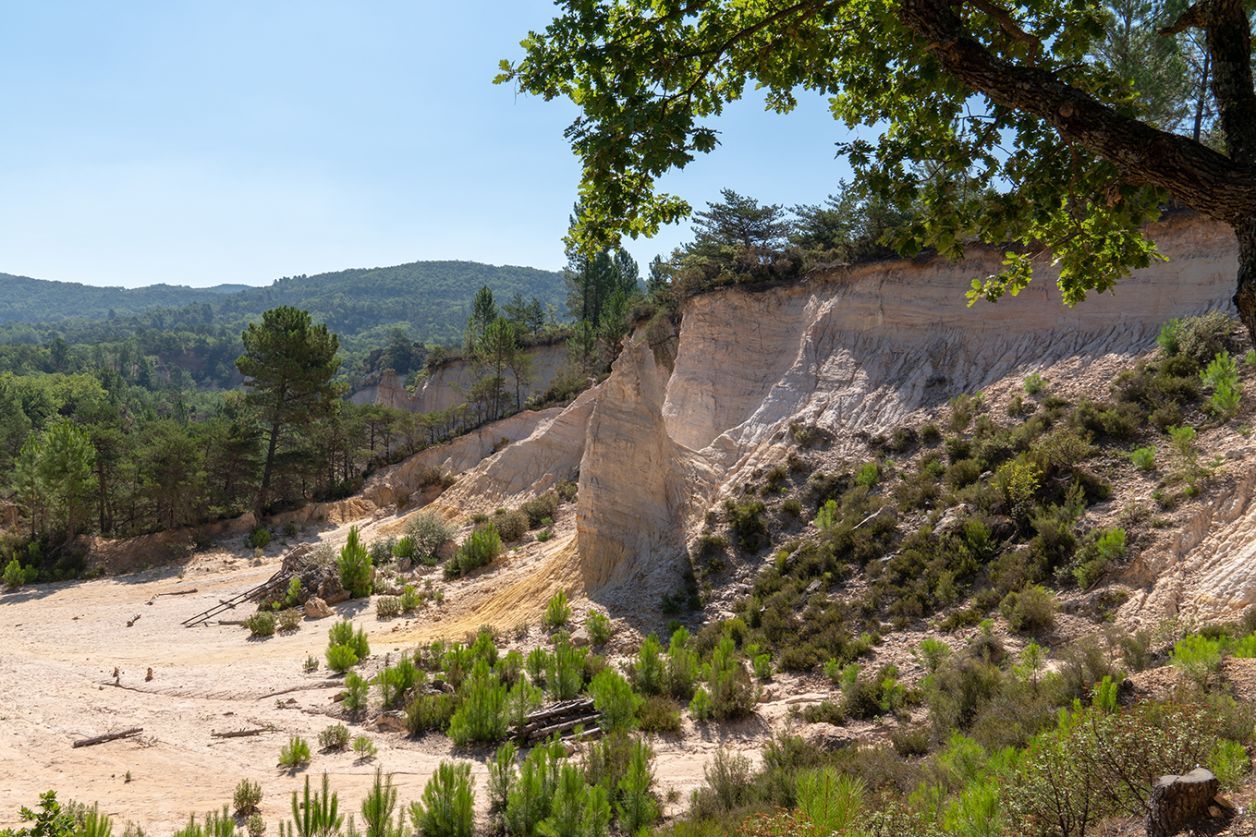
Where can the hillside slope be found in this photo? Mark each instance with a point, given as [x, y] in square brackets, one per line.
[695, 411]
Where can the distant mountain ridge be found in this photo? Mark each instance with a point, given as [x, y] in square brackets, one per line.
[430, 298]
[24, 299]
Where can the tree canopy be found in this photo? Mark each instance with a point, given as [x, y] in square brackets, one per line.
[1017, 126]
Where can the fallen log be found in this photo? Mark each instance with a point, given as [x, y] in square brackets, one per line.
[241, 733]
[567, 707]
[109, 736]
[179, 592]
[133, 620]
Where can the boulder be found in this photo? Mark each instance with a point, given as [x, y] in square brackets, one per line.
[316, 608]
[1178, 801]
[391, 722]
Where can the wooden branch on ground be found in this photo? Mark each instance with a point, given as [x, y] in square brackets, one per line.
[241, 733]
[179, 592]
[132, 620]
[109, 736]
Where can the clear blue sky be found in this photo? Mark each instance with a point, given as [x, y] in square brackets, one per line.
[241, 141]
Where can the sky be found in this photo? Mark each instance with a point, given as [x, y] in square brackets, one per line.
[204, 143]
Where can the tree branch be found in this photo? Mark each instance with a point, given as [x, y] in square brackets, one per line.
[1009, 25]
[1209, 182]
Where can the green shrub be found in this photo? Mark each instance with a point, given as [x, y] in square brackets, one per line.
[411, 599]
[481, 714]
[615, 699]
[340, 658]
[14, 577]
[447, 808]
[557, 611]
[762, 665]
[381, 551]
[868, 474]
[397, 681]
[731, 691]
[598, 625]
[826, 517]
[659, 714]
[429, 713]
[405, 548]
[363, 748]
[682, 665]
[247, 798]
[356, 693]
[1199, 658]
[963, 472]
[1035, 384]
[637, 808]
[261, 624]
[259, 538]
[1229, 762]
[334, 738]
[294, 754]
[1222, 377]
[1096, 556]
[354, 563]
[1167, 339]
[429, 533]
[539, 508]
[1031, 610]
[832, 802]
[1201, 338]
[290, 620]
[388, 607]
[510, 525]
[700, 706]
[565, 674]
[1144, 459]
[481, 547]
[745, 518]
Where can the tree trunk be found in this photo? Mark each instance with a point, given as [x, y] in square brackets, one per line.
[260, 506]
[1245, 296]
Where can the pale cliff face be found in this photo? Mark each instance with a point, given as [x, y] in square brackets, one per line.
[686, 416]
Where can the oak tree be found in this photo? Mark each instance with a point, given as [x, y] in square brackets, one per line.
[1001, 123]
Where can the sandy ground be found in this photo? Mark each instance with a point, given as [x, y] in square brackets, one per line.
[57, 684]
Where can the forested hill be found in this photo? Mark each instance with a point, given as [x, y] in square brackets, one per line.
[27, 300]
[430, 299]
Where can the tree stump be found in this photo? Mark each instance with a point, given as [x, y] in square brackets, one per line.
[1177, 801]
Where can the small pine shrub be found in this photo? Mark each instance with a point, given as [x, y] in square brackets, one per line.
[1222, 377]
[14, 577]
[1144, 459]
[404, 548]
[598, 626]
[832, 802]
[261, 624]
[356, 572]
[615, 699]
[1035, 384]
[557, 611]
[429, 713]
[364, 748]
[334, 738]
[480, 548]
[295, 754]
[447, 808]
[341, 658]
[1095, 557]
[292, 597]
[411, 599]
[762, 664]
[356, 694]
[259, 538]
[388, 607]
[481, 715]
[1229, 762]
[1199, 658]
[247, 798]
[868, 474]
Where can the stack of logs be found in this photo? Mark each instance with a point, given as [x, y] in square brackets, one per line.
[561, 719]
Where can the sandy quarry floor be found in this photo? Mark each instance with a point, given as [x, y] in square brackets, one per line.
[63, 642]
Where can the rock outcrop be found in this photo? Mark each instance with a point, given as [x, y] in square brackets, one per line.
[688, 413]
